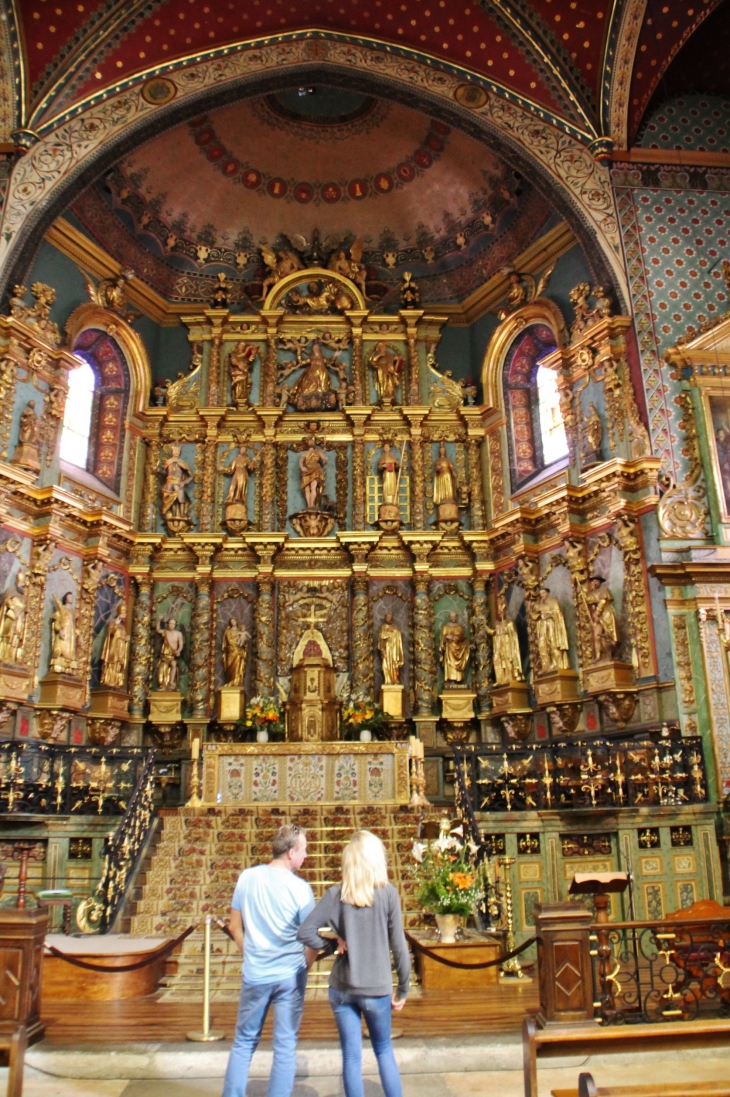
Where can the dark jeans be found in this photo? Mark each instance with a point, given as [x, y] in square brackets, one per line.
[348, 1009]
[287, 998]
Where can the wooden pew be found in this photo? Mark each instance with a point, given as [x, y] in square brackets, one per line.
[15, 1043]
[588, 1088]
[588, 1036]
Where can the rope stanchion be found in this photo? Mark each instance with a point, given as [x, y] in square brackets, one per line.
[471, 967]
[150, 958]
[206, 1036]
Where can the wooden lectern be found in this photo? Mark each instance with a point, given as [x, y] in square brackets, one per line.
[600, 885]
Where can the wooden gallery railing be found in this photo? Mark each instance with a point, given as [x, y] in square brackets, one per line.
[603, 981]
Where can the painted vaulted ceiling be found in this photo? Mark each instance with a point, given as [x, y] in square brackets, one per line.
[574, 59]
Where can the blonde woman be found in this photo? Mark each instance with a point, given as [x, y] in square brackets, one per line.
[364, 913]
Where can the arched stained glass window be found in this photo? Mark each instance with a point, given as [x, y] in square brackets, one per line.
[93, 425]
[536, 433]
[77, 415]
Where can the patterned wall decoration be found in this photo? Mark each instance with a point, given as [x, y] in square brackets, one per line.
[696, 123]
[674, 229]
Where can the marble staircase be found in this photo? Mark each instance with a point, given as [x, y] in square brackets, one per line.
[199, 855]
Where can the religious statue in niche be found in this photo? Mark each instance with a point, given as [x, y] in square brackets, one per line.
[551, 633]
[63, 636]
[234, 652]
[454, 650]
[593, 435]
[175, 503]
[604, 623]
[12, 621]
[390, 648]
[505, 647]
[115, 651]
[389, 470]
[318, 519]
[29, 437]
[173, 643]
[240, 364]
[313, 390]
[236, 501]
[444, 492]
[387, 366]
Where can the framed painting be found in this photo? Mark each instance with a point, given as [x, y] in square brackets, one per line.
[717, 417]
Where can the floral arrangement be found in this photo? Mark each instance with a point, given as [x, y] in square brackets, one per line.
[359, 714]
[264, 714]
[448, 880]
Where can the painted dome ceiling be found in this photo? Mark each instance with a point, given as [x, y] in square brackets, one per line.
[321, 163]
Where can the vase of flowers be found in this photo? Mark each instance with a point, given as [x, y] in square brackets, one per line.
[264, 717]
[449, 882]
[362, 719]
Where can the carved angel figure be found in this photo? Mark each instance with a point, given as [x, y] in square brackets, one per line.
[352, 267]
[110, 293]
[523, 289]
[280, 264]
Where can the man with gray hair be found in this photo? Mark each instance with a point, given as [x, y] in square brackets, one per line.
[269, 904]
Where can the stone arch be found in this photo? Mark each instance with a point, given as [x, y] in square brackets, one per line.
[85, 142]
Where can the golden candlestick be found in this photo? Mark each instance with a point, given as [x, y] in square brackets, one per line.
[194, 801]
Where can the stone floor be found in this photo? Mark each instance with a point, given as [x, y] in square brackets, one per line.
[635, 1068]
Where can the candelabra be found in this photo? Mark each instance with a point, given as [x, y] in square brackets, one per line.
[194, 801]
[511, 968]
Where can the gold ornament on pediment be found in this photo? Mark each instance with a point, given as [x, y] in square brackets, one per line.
[444, 393]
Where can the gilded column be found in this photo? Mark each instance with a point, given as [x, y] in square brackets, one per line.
[359, 381]
[410, 318]
[358, 417]
[423, 625]
[148, 508]
[362, 639]
[201, 647]
[418, 488]
[626, 536]
[42, 556]
[90, 580]
[476, 495]
[482, 657]
[217, 319]
[268, 386]
[265, 652]
[141, 645]
[210, 455]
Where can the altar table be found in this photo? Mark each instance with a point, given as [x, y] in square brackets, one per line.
[472, 948]
[305, 773]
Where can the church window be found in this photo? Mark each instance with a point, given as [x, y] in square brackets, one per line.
[77, 415]
[93, 425]
[536, 433]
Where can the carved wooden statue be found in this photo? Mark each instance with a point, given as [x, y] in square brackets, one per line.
[173, 642]
[551, 634]
[115, 650]
[390, 647]
[12, 621]
[241, 363]
[175, 505]
[506, 647]
[311, 467]
[29, 429]
[454, 650]
[604, 623]
[63, 636]
[234, 650]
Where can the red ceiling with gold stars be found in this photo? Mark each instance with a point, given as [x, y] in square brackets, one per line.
[551, 52]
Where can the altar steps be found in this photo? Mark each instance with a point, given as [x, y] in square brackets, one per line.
[200, 853]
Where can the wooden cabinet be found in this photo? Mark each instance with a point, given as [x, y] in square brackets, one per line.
[474, 948]
[22, 933]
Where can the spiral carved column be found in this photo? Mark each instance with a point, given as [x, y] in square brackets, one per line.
[201, 654]
[480, 637]
[362, 639]
[423, 647]
[265, 654]
[141, 668]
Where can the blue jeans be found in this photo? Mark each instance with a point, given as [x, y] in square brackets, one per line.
[287, 998]
[348, 1009]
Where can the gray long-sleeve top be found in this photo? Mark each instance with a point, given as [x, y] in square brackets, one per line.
[371, 933]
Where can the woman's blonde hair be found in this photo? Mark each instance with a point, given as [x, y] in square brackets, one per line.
[364, 868]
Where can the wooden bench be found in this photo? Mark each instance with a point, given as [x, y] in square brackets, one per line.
[15, 1043]
[583, 1035]
[588, 1088]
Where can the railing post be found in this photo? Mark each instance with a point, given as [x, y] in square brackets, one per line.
[564, 963]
